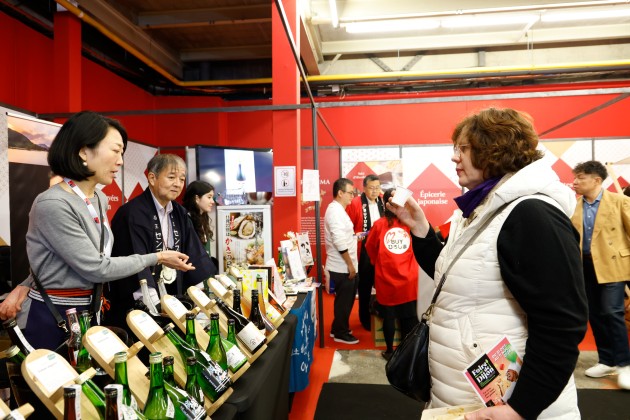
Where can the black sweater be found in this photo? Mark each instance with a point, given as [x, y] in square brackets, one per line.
[539, 259]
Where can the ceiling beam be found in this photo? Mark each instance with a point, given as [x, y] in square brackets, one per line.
[307, 52]
[130, 34]
[243, 52]
[206, 15]
[475, 40]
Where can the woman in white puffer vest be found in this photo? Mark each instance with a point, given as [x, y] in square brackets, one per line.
[521, 277]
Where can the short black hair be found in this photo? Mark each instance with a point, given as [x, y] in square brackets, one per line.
[370, 178]
[591, 167]
[340, 185]
[83, 129]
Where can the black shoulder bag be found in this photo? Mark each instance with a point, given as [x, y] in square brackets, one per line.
[408, 369]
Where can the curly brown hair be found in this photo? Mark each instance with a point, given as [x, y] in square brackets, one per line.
[501, 140]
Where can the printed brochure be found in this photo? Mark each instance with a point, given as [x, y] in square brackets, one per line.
[493, 376]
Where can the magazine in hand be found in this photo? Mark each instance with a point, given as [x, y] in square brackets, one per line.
[493, 376]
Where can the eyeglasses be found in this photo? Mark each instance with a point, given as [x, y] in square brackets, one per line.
[458, 149]
[349, 192]
[373, 188]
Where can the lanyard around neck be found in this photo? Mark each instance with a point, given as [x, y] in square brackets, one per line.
[99, 220]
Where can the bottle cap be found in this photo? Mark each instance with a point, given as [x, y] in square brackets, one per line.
[71, 311]
[214, 315]
[111, 391]
[120, 357]
[12, 351]
[9, 323]
[69, 391]
[168, 360]
[191, 360]
[168, 327]
[155, 357]
[190, 315]
[231, 322]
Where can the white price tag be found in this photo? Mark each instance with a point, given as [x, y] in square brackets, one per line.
[199, 296]
[145, 324]
[178, 308]
[107, 344]
[52, 371]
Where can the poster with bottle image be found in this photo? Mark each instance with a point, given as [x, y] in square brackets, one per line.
[243, 235]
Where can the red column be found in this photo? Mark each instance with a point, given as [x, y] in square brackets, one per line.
[67, 63]
[286, 129]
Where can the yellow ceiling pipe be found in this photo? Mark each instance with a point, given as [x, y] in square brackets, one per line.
[437, 74]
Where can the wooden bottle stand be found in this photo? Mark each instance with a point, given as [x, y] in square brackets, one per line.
[103, 344]
[177, 312]
[206, 305]
[24, 410]
[47, 373]
[154, 339]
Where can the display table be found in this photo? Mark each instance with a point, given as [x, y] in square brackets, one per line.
[263, 391]
[305, 334]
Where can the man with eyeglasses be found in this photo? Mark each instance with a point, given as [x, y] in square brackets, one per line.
[341, 260]
[603, 220]
[364, 210]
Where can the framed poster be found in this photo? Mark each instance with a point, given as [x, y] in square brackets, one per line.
[243, 235]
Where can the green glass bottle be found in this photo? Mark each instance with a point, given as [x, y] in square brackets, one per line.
[186, 407]
[15, 355]
[84, 360]
[191, 337]
[169, 370]
[213, 380]
[159, 406]
[16, 336]
[120, 377]
[235, 357]
[192, 384]
[88, 389]
[215, 349]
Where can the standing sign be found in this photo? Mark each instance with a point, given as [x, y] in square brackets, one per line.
[285, 181]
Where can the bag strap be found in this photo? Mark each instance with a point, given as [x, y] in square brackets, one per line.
[61, 323]
[96, 294]
[427, 314]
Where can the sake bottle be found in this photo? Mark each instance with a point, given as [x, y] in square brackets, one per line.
[84, 360]
[146, 298]
[88, 388]
[267, 310]
[16, 336]
[236, 301]
[112, 409]
[273, 300]
[191, 337]
[186, 407]
[213, 380]
[72, 402]
[169, 370]
[246, 331]
[15, 355]
[159, 406]
[255, 316]
[192, 383]
[235, 357]
[74, 342]
[215, 346]
[120, 377]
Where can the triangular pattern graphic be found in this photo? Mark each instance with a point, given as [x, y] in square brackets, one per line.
[564, 171]
[558, 148]
[434, 191]
[358, 173]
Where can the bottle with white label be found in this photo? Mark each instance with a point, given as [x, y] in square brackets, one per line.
[146, 298]
[246, 331]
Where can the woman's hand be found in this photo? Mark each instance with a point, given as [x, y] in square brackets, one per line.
[501, 412]
[411, 215]
[174, 259]
[13, 302]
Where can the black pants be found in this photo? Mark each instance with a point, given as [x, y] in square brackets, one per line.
[407, 315]
[366, 282]
[345, 290]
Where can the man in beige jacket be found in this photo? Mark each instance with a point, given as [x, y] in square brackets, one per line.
[603, 220]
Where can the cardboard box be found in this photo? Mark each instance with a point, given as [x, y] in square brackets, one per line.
[377, 332]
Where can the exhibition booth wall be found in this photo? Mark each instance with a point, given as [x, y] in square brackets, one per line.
[406, 134]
